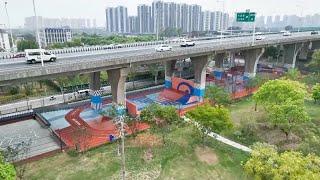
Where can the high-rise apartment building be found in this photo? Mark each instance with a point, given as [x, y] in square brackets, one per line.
[144, 19]
[133, 24]
[194, 18]
[117, 19]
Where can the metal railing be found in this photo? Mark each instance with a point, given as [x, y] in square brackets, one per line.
[9, 55]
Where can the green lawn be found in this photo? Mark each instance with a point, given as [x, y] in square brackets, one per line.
[174, 160]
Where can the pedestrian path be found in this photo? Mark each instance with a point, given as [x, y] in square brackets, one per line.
[221, 138]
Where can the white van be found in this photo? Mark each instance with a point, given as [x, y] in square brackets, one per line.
[34, 55]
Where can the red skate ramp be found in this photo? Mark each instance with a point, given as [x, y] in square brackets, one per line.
[84, 135]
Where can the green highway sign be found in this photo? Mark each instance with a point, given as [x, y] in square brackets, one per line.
[246, 17]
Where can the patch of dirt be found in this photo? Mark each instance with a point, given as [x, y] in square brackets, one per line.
[148, 155]
[277, 137]
[207, 155]
[145, 140]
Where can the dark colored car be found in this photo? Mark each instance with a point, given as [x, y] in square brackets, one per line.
[314, 32]
[20, 55]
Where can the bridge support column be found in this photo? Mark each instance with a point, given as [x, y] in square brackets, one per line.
[169, 73]
[117, 79]
[252, 58]
[315, 45]
[95, 83]
[290, 52]
[200, 63]
[303, 55]
[219, 58]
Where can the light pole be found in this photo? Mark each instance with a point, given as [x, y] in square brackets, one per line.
[221, 18]
[37, 32]
[300, 18]
[8, 19]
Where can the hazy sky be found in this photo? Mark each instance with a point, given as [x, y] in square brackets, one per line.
[94, 9]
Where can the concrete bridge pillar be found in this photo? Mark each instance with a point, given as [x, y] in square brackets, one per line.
[169, 73]
[200, 63]
[117, 79]
[303, 55]
[315, 45]
[219, 58]
[95, 83]
[232, 58]
[252, 58]
[290, 52]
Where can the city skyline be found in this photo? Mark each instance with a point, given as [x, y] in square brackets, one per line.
[18, 9]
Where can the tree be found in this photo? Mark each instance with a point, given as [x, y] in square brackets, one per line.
[284, 103]
[7, 170]
[315, 62]
[217, 95]
[266, 163]
[210, 119]
[154, 69]
[26, 44]
[170, 32]
[288, 28]
[292, 74]
[316, 92]
[272, 52]
[162, 117]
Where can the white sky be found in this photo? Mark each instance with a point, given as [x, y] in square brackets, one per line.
[95, 9]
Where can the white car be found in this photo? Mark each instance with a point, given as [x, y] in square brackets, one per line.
[163, 47]
[287, 33]
[118, 45]
[34, 55]
[258, 38]
[187, 42]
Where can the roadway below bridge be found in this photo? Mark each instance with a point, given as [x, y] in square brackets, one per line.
[92, 61]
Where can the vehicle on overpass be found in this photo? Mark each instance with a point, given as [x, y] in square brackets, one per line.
[118, 46]
[187, 42]
[19, 55]
[259, 38]
[163, 47]
[314, 32]
[287, 33]
[34, 55]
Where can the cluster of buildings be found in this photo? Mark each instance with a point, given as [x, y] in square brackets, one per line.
[286, 20]
[161, 15]
[30, 23]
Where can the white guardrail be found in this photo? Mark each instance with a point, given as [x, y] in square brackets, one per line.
[9, 55]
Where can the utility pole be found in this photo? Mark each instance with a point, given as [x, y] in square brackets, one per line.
[37, 32]
[8, 19]
[157, 21]
[120, 126]
[123, 161]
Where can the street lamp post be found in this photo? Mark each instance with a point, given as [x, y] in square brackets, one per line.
[37, 32]
[300, 18]
[8, 19]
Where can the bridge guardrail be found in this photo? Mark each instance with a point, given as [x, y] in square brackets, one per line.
[9, 55]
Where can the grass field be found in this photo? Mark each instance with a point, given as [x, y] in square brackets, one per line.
[177, 159]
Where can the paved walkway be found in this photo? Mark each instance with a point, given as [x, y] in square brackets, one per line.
[221, 138]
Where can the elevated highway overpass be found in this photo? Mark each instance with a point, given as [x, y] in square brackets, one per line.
[116, 61]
